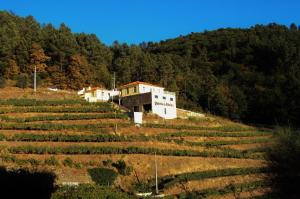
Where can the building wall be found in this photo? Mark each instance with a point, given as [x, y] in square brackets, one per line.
[164, 104]
[137, 101]
[147, 88]
[132, 90]
[105, 95]
[140, 88]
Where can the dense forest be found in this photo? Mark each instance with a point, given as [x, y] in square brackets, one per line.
[250, 74]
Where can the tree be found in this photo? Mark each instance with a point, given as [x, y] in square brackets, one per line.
[22, 80]
[2, 82]
[79, 72]
[12, 70]
[38, 58]
[284, 164]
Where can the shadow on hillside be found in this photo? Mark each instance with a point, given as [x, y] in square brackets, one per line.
[24, 184]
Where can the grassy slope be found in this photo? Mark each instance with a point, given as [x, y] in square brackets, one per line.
[209, 134]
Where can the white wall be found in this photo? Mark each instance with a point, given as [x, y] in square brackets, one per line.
[88, 97]
[163, 105]
[148, 88]
[105, 95]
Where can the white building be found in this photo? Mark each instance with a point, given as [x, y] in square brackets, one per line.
[97, 94]
[145, 97]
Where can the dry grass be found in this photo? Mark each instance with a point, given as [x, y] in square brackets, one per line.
[42, 93]
[248, 146]
[144, 164]
[142, 144]
[209, 139]
[244, 194]
[218, 182]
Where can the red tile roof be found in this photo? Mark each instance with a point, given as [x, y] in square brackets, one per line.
[137, 83]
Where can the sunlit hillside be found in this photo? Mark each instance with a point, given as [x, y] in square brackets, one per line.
[58, 132]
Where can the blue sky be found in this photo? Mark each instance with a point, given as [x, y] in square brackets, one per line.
[134, 21]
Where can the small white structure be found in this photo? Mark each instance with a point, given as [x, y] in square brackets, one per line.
[138, 117]
[145, 97]
[97, 94]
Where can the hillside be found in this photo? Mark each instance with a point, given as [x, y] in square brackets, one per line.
[250, 74]
[211, 156]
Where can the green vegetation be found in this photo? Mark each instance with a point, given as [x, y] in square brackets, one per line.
[221, 143]
[284, 164]
[85, 191]
[250, 74]
[189, 127]
[52, 161]
[65, 117]
[103, 176]
[34, 102]
[171, 180]
[213, 134]
[13, 159]
[57, 109]
[228, 153]
[68, 138]
[122, 167]
[2, 82]
[230, 189]
[168, 181]
[99, 127]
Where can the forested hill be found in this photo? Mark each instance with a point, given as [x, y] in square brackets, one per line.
[248, 74]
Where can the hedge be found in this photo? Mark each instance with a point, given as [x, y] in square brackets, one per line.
[168, 181]
[64, 117]
[233, 188]
[189, 127]
[88, 191]
[68, 138]
[56, 109]
[34, 102]
[226, 153]
[213, 134]
[56, 126]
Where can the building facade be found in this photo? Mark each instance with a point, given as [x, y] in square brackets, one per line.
[97, 94]
[145, 97]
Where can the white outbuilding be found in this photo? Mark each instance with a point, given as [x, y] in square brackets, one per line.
[95, 94]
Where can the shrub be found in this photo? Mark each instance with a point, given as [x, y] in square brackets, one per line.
[68, 162]
[52, 161]
[22, 80]
[107, 162]
[284, 164]
[2, 82]
[88, 191]
[103, 176]
[122, 168]
[2, 137]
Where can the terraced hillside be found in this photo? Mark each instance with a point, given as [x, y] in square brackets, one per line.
[210, 156]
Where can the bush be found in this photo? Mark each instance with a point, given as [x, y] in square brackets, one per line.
[284, 164]
[122, 168]
[87, 191]
[68, 162]
[52, 161]
[2, 82]
[103, 176]
[22, 80]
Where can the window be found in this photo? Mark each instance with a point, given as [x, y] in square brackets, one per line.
[156, 96]
[127, 90]
[165, 111]
[171, 99]
[164, 98]
[134, 89]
